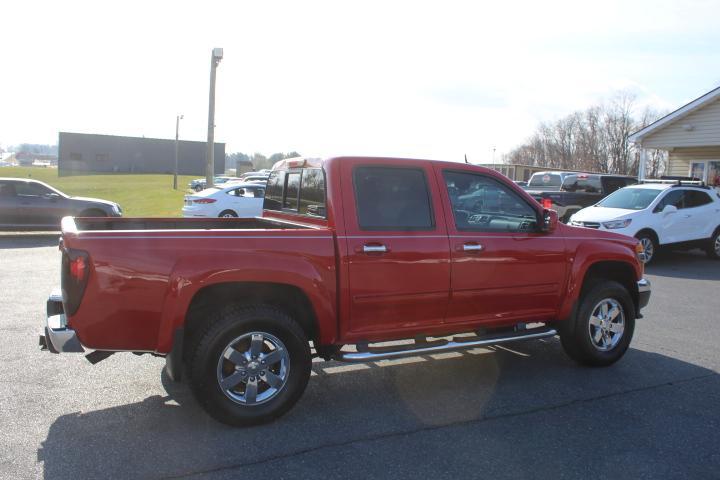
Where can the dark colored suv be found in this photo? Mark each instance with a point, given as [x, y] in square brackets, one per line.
[33, 204]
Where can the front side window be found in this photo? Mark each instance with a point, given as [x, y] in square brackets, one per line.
[481, 203]
[676, 198]
[31, 189]
[392, 198]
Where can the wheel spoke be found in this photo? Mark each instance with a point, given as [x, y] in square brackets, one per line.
[595, 321]
[251, 391]
[274, 357]
[256, 345]
[598, 336]
[607, 341]
[232, 381]
[235, 357]
[614, 312]
[604, 309]
[617, 328]
[273, 380]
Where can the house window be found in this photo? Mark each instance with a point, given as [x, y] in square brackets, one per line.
[707, 171]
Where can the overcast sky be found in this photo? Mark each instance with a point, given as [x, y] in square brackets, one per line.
[422, 79]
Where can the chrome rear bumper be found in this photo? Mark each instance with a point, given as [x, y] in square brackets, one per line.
[644, 288]
[56, 336]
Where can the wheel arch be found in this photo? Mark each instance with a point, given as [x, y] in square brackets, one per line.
[651, 232]
[209, 299]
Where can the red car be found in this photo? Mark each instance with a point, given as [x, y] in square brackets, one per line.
[350, 252]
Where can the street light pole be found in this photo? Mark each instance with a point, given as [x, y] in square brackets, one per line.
[217, 55]
[177, 131]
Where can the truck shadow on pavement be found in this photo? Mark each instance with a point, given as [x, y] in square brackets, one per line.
[509, 399]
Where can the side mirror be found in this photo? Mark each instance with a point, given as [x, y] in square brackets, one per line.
[550, 221]
[669, 209]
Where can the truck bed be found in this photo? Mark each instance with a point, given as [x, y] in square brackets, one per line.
[71, 225]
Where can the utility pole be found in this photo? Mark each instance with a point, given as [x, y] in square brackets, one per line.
[217, 55]
[177, 131]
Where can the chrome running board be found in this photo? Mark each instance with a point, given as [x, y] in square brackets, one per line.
[368, 354]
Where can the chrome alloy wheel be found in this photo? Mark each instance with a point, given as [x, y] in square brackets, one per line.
[607, 324]
[253, 368]
[648, 249]
[716, 246]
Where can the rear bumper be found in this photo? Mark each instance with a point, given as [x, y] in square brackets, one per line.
[56, 336]
[643, 292]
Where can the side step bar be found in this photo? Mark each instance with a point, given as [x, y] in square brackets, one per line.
[369, 354]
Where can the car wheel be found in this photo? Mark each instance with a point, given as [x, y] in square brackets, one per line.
[227, 214]
[603, 326]
[713, 247]
[251, 366]
[649, 246]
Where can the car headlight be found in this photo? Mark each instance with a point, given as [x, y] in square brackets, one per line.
[617, 224]
[116, 208]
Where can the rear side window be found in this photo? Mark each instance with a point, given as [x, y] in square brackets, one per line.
[697, 198]
[392, 198]
[587, 184]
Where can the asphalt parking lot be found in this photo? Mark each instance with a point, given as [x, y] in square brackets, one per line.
[525, 411]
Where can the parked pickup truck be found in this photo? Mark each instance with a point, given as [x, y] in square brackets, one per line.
[352, 254]
[578, 191]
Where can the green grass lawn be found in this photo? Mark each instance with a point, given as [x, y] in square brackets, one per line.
[139, 195]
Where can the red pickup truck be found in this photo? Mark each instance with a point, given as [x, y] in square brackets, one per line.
[351, 254]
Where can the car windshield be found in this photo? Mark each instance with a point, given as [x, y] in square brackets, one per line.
[545, 180]
[630, 198]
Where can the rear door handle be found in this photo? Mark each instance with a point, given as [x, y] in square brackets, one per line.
[472, 247]
[374, 248]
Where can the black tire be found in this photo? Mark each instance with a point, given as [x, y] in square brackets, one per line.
[650, 246]
[205, 367]
[713, 247]
[577, 338]
[227, 214]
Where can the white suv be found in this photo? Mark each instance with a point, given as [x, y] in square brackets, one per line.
[658, 215]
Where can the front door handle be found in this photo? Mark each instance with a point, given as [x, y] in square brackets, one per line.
[374, 248]
[472, 247]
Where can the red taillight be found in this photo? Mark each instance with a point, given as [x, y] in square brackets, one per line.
[77, 269]
[204, 200]
[547, 203]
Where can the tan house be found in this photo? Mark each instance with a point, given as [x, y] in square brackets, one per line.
[691, 136]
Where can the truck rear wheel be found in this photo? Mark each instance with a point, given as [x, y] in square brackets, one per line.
[250, 366]
[603, 326]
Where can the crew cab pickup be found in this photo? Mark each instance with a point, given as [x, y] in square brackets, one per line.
[351, 254]
[578, 191]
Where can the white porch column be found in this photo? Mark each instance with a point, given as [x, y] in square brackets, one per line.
[643, 163]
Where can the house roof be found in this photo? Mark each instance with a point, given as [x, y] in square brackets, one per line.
[676, 115]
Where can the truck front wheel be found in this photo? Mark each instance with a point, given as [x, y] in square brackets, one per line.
[603, 326]
[250, 366]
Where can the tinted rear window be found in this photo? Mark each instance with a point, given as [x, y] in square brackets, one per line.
[545, 180]
[390, 198]
[297, 191]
